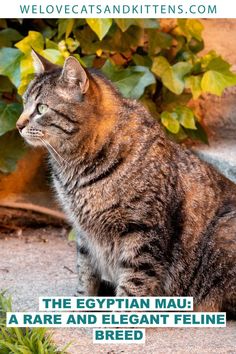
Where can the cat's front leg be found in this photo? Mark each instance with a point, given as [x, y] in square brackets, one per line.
[88, 279]
[140, 271]
[136, 283]
[139, 281]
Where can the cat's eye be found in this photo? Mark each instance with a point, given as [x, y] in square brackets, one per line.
[42, 108]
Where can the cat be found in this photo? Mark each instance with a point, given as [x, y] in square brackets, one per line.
[151, 217]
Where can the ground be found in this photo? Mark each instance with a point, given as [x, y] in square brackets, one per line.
[41, 262]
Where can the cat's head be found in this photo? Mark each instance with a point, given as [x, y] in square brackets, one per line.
[55, 104]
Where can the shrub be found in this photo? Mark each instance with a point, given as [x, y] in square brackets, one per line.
[157, 62]
[15, 340]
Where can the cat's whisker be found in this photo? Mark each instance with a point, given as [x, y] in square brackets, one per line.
[48, 146]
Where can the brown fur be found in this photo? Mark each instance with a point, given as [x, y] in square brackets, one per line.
[151, 218]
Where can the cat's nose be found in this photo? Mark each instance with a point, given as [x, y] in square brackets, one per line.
[22, 123]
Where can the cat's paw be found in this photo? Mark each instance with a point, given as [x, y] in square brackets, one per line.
[81, 293]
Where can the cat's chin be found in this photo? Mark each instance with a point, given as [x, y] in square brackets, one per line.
[33, 142]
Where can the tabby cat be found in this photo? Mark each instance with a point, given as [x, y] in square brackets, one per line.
[152, 219]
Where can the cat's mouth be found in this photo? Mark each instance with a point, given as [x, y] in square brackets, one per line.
[32, 136]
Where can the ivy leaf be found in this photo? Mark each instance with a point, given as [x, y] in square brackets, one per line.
[186, 117]
[124, 23]
[131, 81]
[51, 45]
[27, 72]
[170, 122]
[54, 56]
[160, 66]
[25, 83]
[218, 75]
[72, 44]
[100, 26]
[143, 60]
[147, 23]
[218, 64]
[216, 82]
[65, 26]
[9, 113]
[158, 41]
[194, 84]
[34, 40]
[9, 36]
[195, 28]
[198, 134]
[10, 59]
[171, 76]
[190, 28]
[12, 148]
[5, 84]
[150, 106]
[206, 59]
[123, 42]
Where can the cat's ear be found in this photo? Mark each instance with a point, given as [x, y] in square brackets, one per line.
[41, 64]
[74, 73]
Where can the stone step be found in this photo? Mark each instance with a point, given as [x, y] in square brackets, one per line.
[221, 154]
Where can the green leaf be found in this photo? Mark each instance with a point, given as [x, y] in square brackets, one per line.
[53, 55]
[181, 69]
[69, 27]
[190, 28]
[170, 122]
[131, 81]
[147, 23]
[195, 28]
[206, 59]
[124, 42]
[27, 72]
[160, 66]
[150, 106]
[34, 40]
[171, 76]
[72, 44]
[186, 117]
[5, 84]
[100, 26]
[170, 100]
[218, 75]
[10, 59]
[158, 41]
[143, 60]
[218, 64]
[198, 134]
[215, 82]
[9, 113]
[194, 84]
[12, 148]
[9, 36]
[125, 23]
[65, 27]
[88, 60]
[195, 45]
[51, 45]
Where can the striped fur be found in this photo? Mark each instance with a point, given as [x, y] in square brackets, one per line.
[151, 218]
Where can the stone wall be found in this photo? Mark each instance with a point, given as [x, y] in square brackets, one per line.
[220, 113]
